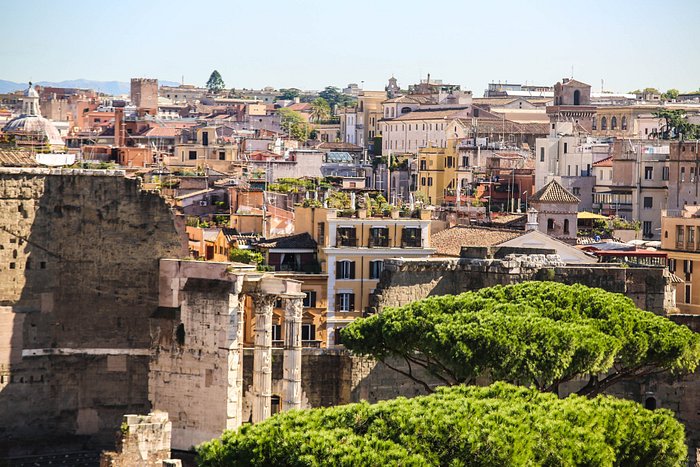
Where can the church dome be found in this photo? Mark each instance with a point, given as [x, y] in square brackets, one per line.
[30, 128]
[33, 128]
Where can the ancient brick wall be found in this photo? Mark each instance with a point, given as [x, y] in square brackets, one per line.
[79, 255]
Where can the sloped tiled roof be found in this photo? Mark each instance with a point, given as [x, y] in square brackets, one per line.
[16, 158]
[607, 162]
[553, 192]
[298, 241]
[449, 242]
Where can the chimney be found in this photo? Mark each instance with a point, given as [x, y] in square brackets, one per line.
[531, 220]
[119, 136]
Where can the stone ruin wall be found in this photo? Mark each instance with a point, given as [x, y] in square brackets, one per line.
[79, 253]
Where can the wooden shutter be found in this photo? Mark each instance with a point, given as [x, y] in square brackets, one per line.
[352, 302]
[337, 302]
[352, 270]
[338, 264]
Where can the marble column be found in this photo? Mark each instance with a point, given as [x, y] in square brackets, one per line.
[291, 384]
[262, 355]
[234, 345]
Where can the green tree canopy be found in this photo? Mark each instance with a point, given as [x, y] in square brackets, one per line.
[215, 83]
[320, 110]
[245, 256]
[677, 125]
[294, 124]
[289, 94]
[671, 94]
[533, 333]
[459, 426]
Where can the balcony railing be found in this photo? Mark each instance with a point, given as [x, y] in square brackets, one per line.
[311, 343]
[346, 241]
[417, 243]
[378, 242]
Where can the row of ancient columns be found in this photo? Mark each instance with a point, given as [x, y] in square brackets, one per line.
[263, 305]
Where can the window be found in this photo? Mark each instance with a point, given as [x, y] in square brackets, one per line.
[430, 181]
[664, 173]
[222, 155]
[672, 265]
[422, 164]
[310, 299]
[646, 229]
[679, 236]
[576, 191]
[422, 181]
[648, 202]
[193, 155]
[623, 125]
[411, 237]
[687, 293]
[465, 161]
[308, 332]
[337, 339]
[566, 226]
[682, 174]
[375, 268]
[566, 148]
[692, 174]
[205, 138]
[594, 126]
[613, 123]
[345, 301]
[550, 225]
[379, 237]
[648, 173]
[321, 233]
[691, 237]
[276, 332]
[687, 266]
[604, 123]
[345, 269]
[346, 236]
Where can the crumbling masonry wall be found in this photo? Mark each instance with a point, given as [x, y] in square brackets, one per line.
[79, 253]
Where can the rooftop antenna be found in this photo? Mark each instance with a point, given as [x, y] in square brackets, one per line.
[572, 72]
[602, 87]
[183, 80]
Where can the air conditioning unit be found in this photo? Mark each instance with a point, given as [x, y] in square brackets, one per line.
[204, 202]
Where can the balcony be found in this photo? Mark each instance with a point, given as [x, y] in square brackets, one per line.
[345, 242]
[411, 243]
[311, 344]
[378, 242]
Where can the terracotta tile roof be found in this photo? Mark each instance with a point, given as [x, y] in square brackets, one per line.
[553, 192]
[433, 114]
[298, 241]
[449, 242]
[607, 162]
[16, 158]
[162, 132]
[299, 107]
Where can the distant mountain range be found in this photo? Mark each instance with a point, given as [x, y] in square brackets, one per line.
[107, 87]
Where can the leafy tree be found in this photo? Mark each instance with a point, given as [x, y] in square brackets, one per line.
[671, 94]
[294, 124]
[335, 98]
[677, 125]
[215, 83]
[339, 200]
[289, 94]
[245, 256]
[320, 110]
[460, 426]
[534, 333]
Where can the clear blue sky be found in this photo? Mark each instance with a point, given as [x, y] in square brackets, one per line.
[314, 43]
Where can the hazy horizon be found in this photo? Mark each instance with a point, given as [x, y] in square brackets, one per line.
[311, 44]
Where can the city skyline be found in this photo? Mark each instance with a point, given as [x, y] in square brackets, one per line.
[313, 44]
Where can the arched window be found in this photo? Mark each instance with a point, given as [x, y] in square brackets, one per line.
[623, 124]
[613, 123]
[405, 110]
[550, 225]
[650, 403]
[604, 123]
[594, 126]
[577, 97]
[566, 226]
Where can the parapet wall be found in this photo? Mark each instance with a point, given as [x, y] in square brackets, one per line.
[79, 253]
[406, 280]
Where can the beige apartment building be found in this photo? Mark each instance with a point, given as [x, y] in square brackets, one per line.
[352, 251]
[680, 238]
[208, 149]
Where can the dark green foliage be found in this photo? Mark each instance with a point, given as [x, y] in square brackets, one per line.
[215, 83]
[534, 333]
[459, 426]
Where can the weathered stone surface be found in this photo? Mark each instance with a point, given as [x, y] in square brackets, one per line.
[79, 255]
[143, 440]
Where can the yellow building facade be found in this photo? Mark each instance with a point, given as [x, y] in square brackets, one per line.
[680, 239]
[352, 251]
